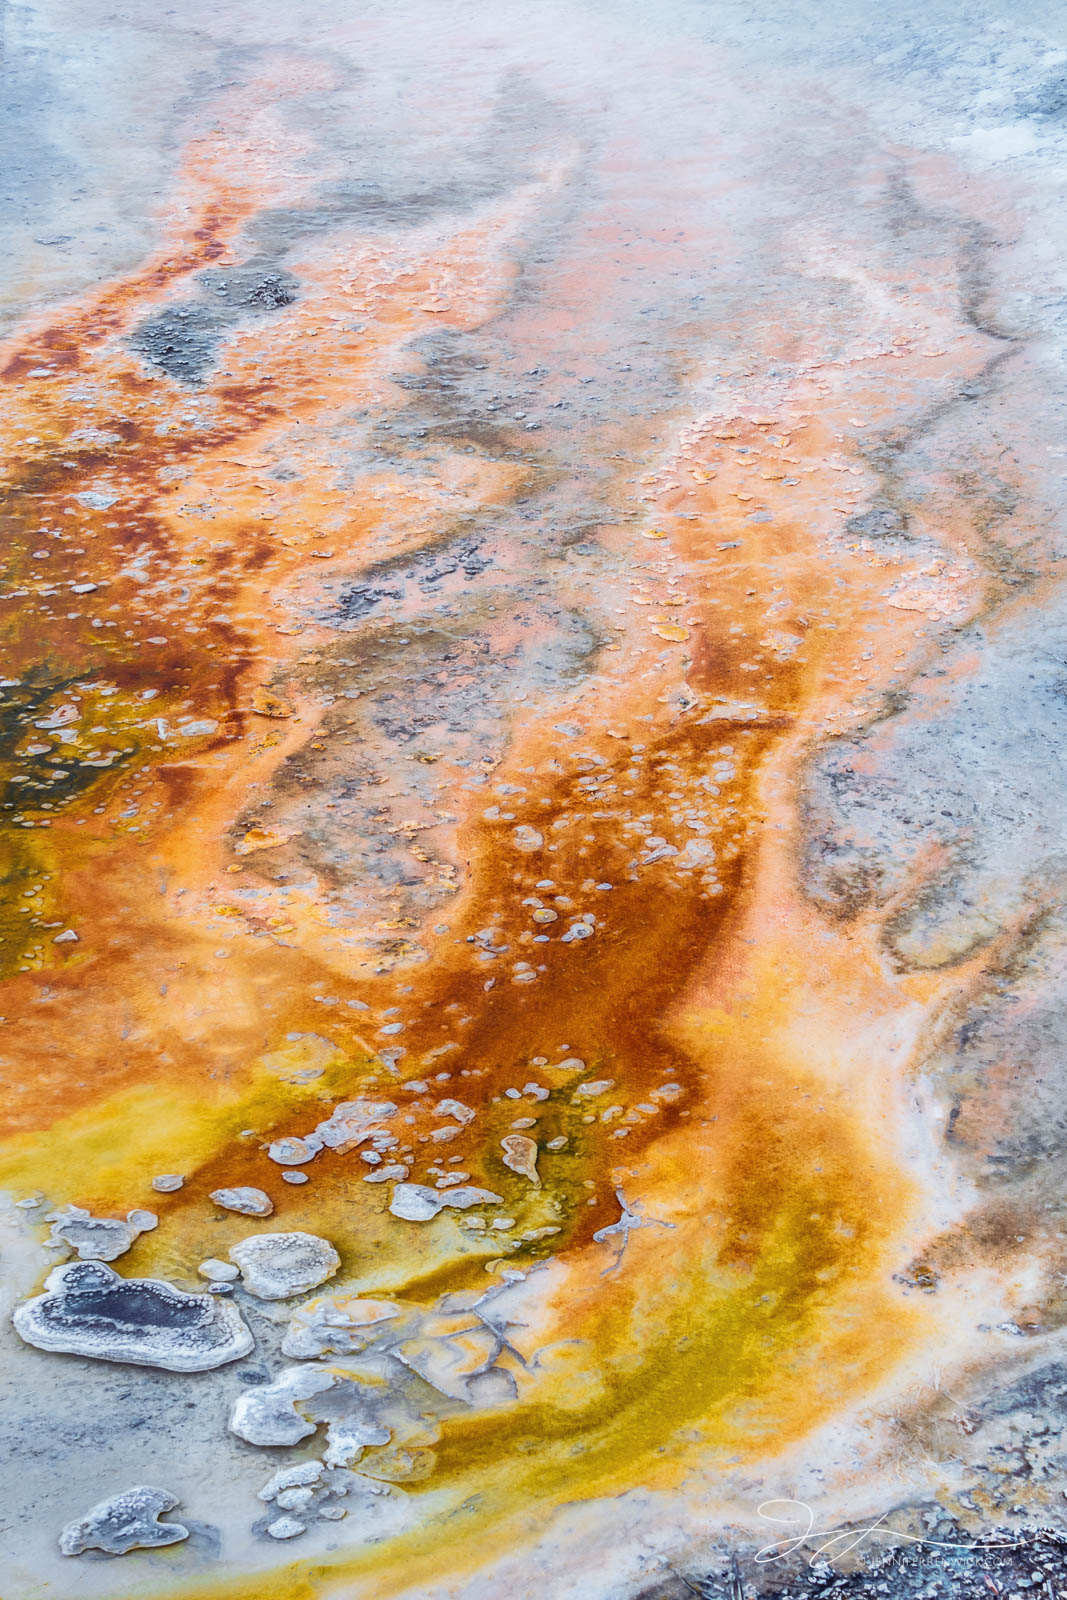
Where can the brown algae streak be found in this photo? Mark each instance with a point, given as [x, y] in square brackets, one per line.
[154, 693]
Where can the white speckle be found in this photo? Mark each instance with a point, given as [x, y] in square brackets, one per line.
[527, 838]
[167, 1182]
[68, 936]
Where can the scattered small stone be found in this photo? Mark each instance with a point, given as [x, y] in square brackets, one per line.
[127, 1521]
[167, 1182]
[249, 1202]
[527, 839]
[294, 1177]
[276, 1266]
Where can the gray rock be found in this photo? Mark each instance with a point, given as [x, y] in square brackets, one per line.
[128, 1521]
[286, 1528]
[298, 1477]
[249, 1202]
[216, 1271]
[167, 1182]
[276, 1266]
[88, 1310]
[414, 1202]
[99, 1238]
[267, 1414]
[353, 1122]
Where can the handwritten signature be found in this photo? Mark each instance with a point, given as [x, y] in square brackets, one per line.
[842, 1540]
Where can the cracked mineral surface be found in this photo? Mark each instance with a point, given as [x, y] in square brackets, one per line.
[533, 865]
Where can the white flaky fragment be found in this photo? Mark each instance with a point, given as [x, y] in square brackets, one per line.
[336, 1325]
[353, 1122]
[414, 1202]
[267, 1414]
[249, 1202]
[346, 1440]
[128, 1521]
[298, 1477]
[292, 1151]
[276, 1266]
[455, 1108]
[98, 1238]
[520, 1154]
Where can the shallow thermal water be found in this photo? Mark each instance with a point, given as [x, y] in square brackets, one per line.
[534, 714]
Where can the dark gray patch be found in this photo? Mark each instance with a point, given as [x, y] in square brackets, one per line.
[252, 286]
[880, 522]
[181, 340]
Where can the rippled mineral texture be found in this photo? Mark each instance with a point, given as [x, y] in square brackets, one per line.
[533, 754]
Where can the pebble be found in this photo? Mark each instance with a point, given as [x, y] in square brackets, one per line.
[218, 1271]
[276, 1266]
[292, 1151]
[294, 1499]
[248, 1202]
[167, 1182]
[267, 1414]
[294, 1177]
[286, 1528]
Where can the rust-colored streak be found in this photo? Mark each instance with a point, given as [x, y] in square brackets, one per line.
[746, 1109]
